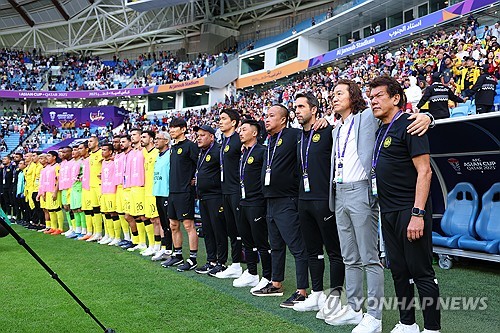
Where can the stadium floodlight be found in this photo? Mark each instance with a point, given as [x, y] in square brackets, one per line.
[6, 229]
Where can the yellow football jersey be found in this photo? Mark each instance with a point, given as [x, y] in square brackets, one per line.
[95, 163]
[36, 176]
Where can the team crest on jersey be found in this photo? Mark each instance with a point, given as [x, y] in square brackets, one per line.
[226, 148]
[280, 141]
[179, 151]
[250, 160]
[387, 142]
[316, 137]
[208, 158]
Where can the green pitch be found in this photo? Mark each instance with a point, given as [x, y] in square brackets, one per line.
[132, 294]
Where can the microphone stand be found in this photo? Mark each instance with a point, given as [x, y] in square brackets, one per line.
[22, 242]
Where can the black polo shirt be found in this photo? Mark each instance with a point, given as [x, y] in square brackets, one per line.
[284, 168]
[208, 184]
[183, 158]
[396, 174]
[319, 163]
[251, 172]
[231, 152]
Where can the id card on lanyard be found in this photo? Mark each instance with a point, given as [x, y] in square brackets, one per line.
[339, 174]
[242, 171]
[270, 158]
[304, 161]
[222, 152]
[200, 163]
[376, 152]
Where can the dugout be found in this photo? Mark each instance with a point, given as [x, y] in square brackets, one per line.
[463, 149]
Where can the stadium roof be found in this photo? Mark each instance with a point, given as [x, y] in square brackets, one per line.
[109, 26]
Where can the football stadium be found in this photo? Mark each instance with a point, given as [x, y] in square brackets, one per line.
[250, 166]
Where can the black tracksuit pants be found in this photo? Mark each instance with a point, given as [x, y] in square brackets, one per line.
[162, 206]
[319, 229]
[411, 264]
[284, 230]
[214, 229]
[231, 203]
[252, 227]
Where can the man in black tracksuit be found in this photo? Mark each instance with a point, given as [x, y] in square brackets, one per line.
[209, 192]
[280, 181]
[317, 221]
[438, 95]
[7, 181]
[183, 158]
[230, 152]
[484, 88]
[252, 225]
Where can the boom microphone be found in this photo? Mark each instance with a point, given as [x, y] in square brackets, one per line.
[3, 231]
[6, 229]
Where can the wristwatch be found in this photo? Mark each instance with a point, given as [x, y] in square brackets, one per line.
[417, 212]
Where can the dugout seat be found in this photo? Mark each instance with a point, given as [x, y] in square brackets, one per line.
[487, 225]
[460, 111]
[459, 217]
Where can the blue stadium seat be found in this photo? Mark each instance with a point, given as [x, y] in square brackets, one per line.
[458, 219]
[459, 111]
[487, 225]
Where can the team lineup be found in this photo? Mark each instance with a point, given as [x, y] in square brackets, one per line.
[321, 188]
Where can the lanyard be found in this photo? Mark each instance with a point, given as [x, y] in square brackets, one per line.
[376, 154]
[244, 164]
[305, 161]
[224, 144]
[271, 158]
[341, 157]
[200, 162]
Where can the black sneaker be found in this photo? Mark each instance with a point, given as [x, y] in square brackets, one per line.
[173, 261]
[205, 268]
[188, 265]
[269, 290]
[296, 297]
[216, 269]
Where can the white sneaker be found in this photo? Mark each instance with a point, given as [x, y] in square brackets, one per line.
[369, 324]
[139, 247]
[148, 252]
[431, 331]
[104, 239]
[70, 234]
[67, 232]
[246, 280]
[94, 238]
[346, 316]
[402, 328]
[107, 241]
[232, 272]
[313, 302]
[330, 309]
[262, 283]
[161, 255]
[115, 242]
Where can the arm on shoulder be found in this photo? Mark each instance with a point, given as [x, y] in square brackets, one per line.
[421, 123]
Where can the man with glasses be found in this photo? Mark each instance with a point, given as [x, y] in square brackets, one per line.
[161, 191]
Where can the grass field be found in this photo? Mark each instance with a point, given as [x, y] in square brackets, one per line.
[131, 294]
